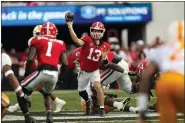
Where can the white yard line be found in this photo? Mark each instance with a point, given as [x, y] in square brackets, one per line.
[110, 116]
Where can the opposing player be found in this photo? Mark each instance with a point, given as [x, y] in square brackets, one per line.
[9, 74]
[108, 76]
[59, 103]
[50, 52]
[169, 60]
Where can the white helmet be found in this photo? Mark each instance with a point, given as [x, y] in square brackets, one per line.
[175, 31]
[36, 30]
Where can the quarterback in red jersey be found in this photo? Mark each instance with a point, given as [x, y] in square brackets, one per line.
[49, 52]
[93, 52]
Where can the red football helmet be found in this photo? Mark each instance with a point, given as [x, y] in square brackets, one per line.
[97, 26]
[49, 29]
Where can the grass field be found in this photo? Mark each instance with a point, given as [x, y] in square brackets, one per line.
[72, 109]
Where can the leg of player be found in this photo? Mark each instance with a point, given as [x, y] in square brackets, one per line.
[59, 103]
[84, 95]
[129, 108]
[100, 96]
[83, 81]
[120, 105]
[24, 107]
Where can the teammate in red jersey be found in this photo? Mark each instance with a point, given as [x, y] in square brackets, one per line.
[58, 102]
[93, 52]
[50, 52]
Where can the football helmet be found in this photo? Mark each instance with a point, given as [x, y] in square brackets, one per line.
[36, 30]
[49, 30]
[101, 30]
[175, 31]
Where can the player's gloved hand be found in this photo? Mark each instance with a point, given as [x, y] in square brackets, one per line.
[27, 99]
[132, 73]
[105, 88]
[59, 83]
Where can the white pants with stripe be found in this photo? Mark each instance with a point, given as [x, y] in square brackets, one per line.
[47, 79]
[84, 78]
[109, 76]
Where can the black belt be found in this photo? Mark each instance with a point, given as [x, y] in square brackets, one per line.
[47, 67]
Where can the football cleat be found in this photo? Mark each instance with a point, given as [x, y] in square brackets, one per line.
[29, 119]
[49, 118]
[102, 113]
[124, 103]
[14, 108]
[59, 105]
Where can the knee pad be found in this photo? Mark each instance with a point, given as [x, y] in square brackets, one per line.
[5, 100]
[82, 93]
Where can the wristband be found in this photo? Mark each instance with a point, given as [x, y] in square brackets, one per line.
[18, 89]
[8, 73]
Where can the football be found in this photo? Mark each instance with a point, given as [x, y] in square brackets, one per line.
[69, 16]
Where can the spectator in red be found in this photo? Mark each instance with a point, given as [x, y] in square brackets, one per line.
[134, 56]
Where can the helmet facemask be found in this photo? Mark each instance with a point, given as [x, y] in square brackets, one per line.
[97, 33]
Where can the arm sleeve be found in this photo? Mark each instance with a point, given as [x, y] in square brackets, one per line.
[154, 55]
[85, 39]
[32, 41]
[6, 60]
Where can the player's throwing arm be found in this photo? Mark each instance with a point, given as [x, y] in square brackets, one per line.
[69, 20]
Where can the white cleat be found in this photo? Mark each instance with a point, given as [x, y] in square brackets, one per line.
[59, 105]
[124, 103]
[14, 108]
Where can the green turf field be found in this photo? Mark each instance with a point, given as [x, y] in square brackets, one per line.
[71, 97]
[71, 111]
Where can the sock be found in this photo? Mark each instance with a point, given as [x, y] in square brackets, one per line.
[132, 109]
[23, 105]
[101, 108]
[116, 104]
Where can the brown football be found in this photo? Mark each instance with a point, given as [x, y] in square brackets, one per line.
[69, 16]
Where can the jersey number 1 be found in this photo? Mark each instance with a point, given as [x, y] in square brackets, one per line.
[48, 53]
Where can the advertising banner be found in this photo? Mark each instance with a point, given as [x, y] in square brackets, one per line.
[115, 13]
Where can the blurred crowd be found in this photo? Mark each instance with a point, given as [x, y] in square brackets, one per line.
[133, 54]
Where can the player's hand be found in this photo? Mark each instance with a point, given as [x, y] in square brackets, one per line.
[27, 99]
[69, 24]
[132, 73]
[59, 83]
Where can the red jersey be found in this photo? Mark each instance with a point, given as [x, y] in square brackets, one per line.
[141, 66]
[110, 56]
[91, 54]
[74, 56]
[48, 50]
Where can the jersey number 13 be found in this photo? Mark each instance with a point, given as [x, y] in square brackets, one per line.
[94, 58]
